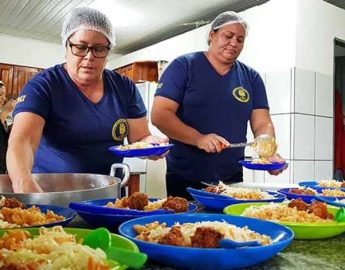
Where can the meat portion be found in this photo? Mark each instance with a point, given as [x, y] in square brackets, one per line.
[320, 209]
[317, 208]
[174, 237]
[299, 204]
[136, 201]
[343, 185]
[206, 237]
[13, 203]
[304, 191]
[177, 204]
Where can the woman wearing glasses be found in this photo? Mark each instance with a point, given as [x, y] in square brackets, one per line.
[69, 115]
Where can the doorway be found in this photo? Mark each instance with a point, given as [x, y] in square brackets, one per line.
[339, 109]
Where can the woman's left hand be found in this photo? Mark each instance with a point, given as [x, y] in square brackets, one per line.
[156, 140]
[277, 158]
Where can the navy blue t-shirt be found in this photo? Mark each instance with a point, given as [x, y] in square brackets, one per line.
[211, 103]
[78, 132]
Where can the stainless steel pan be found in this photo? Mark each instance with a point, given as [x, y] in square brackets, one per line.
[63, 188]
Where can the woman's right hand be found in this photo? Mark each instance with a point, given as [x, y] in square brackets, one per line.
[212, 143]
[28, 186]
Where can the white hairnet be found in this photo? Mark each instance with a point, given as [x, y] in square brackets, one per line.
[90, 19]
[226, 18]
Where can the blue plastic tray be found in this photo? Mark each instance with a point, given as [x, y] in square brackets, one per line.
[141, 152]
[218, 204]
[274, 166]
[210, 258]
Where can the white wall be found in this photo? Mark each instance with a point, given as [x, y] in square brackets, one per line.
[270, 44]
[33, 53]
[315, 34]
[29, 52]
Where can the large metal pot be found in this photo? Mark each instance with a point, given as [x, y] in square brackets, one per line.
[63, 188]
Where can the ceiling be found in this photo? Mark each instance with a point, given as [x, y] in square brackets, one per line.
[137, 23]
[338, 3]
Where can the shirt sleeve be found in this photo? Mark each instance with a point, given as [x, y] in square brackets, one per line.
[34, 97]
[173, 82]
[259, 93]
[136, 106]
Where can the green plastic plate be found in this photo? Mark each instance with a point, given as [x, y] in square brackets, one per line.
[116, 240]
[317, 230]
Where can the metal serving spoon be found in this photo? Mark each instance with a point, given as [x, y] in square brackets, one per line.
[264, 145]
[101, 238]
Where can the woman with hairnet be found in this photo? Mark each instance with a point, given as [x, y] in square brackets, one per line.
[203, 103]
[69, 115]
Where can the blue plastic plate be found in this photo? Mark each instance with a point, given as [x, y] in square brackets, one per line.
[292, 196]
[331, 200]
[62, 211]
[98, 207]
[141, 152]
[111, 222]
[205, 193]
[315, 185]
[218, 204]
[263, 167]
[210, 258]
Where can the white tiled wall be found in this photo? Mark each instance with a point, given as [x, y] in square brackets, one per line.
[324, 95]
[304, 91]
[304, 137]
[301, 107]
[282, 125]
[323, 138]
[278, 87]
[323, 170]
[303, 171]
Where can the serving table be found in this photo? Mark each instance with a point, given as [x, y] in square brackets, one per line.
[301, 254]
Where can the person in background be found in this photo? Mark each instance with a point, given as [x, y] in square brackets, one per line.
[69, 115]
[203, 103]
[6, 111]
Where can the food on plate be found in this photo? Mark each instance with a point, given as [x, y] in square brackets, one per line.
[140, 201]
[265, 146]
[51, 249]
[296, 211]
[139, 145]
[14, 214]
[333, 193]
[261, 161]
[205, 234]
[239, 193]
[331, 183]
[303, 191]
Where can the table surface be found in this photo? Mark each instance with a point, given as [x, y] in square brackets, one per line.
[301, 254]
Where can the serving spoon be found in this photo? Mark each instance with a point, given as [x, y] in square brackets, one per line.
[264, 145]
[101, 238]
[340, 215]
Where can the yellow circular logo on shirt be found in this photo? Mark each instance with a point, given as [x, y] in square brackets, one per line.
[120, 129]
[241, 94]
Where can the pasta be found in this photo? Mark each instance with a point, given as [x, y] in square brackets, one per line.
[239, 193]
[52, 249]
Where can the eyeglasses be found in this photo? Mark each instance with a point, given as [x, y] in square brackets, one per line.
[82, 50]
